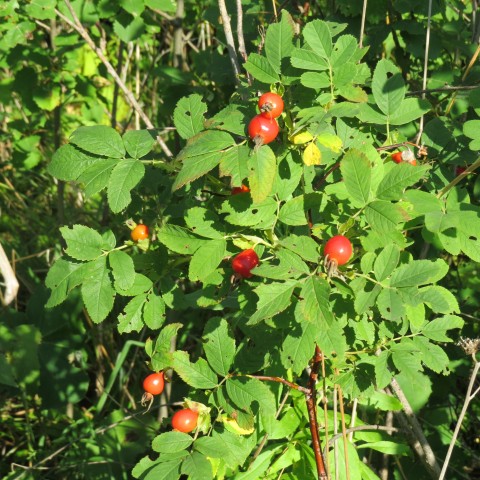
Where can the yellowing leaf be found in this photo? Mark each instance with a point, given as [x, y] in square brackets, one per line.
[332, 142]
[234, 427]
[301, 138]
[312, 155]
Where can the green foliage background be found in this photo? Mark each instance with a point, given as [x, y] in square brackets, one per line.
[75, 165]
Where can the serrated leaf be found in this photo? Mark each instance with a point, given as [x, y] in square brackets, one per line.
[197, 375]
[262, 166]
[235, 164]
[126, 174]
[407, 362]
[357, 174]
[128, 32]
[62, 278]
[409, 110]
[293, 212]
[219, 345]
[206, 259]
[161, 354]
[389, 448]
[388, 87]
[141, 284]
[273, 298]
[343, 51]
[171, 442]
[439, 299]
[383, 375]
[68, 163]
[365, 299]
[278, 42]
[97, 291]
[203, 153]
[246, 392]
[432, 355]
[122, 269]
[319, 38]
[315, 80]
[241, 211]
[100, 140]
[261, 69]
[383, 216]
[188, 116]
[205, 223]
[304, 246]
[197, 467]
[384, 402]
[139, 143]
[386, 262]
[95, 178]
[390, 304]
[437, 329]
[169, 470]
[398, 179]
[230, 119]
[314, 303]
[419, 272]
[131, 320]
[154, 311]
[180, 240]
[308, 60]
[312, 155]
[83, 243]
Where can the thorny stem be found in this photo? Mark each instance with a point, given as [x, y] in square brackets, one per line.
[312, 414]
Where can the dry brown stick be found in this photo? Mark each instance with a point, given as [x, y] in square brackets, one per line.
[227, 28]
[76, 25]
[344, 433]
[428, 457]
[178, 40]
[311, 398]
[11, 282]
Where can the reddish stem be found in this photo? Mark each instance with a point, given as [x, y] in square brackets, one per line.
[281, 380]
[312, 414]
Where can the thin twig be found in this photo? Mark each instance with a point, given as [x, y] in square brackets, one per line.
[227, 28]
[178, 40]
[425, 67]
[362, 27]
[11, 282]
[240, 37]
[265, 378]
[344, 433]
[385, 457]
[353, 418]
[468, 398]
[76, 25]
[447, 88]
[471, 168]
[360, 428]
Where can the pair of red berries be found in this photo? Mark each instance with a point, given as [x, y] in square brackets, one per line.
[263, 128]
[338, 250]
[184, 420]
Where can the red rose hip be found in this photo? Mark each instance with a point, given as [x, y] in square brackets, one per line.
[185, 420]
[339, 249]
[262, 130]
[271, 105]
[244, 262]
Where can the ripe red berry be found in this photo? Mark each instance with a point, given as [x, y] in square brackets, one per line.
[262, 130]
[397, 157]
[244, 262]
[154, 383]
[404, 156]
[242, 189]
[271, 105]
[338, 249]
[140, 232]
[185, 420]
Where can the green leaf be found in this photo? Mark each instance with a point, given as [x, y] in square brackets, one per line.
[129, 28]
[423, 202]
[471, 129]
[386, 262]
[273, 298]
[262, 167]
[357, 174]
[160, 353]
[315, 80]
[407, 362]
[62, 278]
[318, 37]
[278, 42]
[308, 60]
[204, 223]
[409, 110]
[384, 402]
[437, 329]
[126, 174]
[219, 345]
[419, 272]
[180, 240]
[390, 304]
[439, 299]
[171, 442]
[204, 152]
[235, 164]
[304, 246]
[169, 470]
[365, 299]
[293, 212]
[206, 259]
[261, 69]
[197, 467]
[241, 211]
[83, 243]
[398, 179]
[315, 306]
[383, 216]
[122, 269]
[389, 448]
[41, 9]
[100, 140]
[258, 467]
[141, 284]
[344, 50]
[98, 293]
[95, 178]
[233, 449]
[139, 143]
[388, 87]
[230, 119]
[131, 320]
[246, 392]
[432, 355]
[197, 375]
[68, 163]
[188, 116]
[383, 375]
[154, 311]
